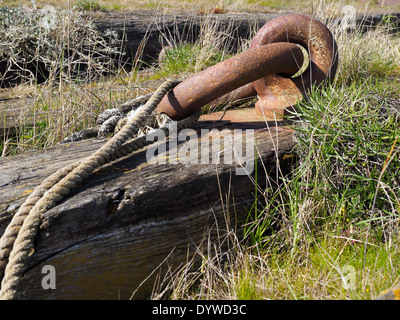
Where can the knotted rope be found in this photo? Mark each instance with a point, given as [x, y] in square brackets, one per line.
[16, 244]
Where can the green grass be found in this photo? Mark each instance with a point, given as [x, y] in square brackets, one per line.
[188, 59]
[90, 5]
[347, 135]
[322, 272]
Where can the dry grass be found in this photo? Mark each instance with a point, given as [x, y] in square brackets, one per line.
[321, 273]
[301, 6]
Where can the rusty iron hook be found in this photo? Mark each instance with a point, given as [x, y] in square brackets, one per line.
[264, 70]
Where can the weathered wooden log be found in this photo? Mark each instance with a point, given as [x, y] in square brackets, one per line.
[12, 111]
[128, 217]
[147, 31]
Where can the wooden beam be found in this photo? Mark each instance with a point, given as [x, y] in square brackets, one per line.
[137, 215]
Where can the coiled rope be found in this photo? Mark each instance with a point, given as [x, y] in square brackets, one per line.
[16, 244]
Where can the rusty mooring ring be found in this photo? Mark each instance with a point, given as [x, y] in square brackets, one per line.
[276, 92]
[273, 51]
[202, 88]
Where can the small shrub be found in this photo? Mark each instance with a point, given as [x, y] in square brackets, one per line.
[188, 58]
[50, 44]
[90, 5]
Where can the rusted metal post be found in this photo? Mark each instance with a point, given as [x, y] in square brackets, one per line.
[212, 83]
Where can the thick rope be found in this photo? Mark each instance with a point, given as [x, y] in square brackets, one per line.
[109, 120]
[16, 244]
[10, 234]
